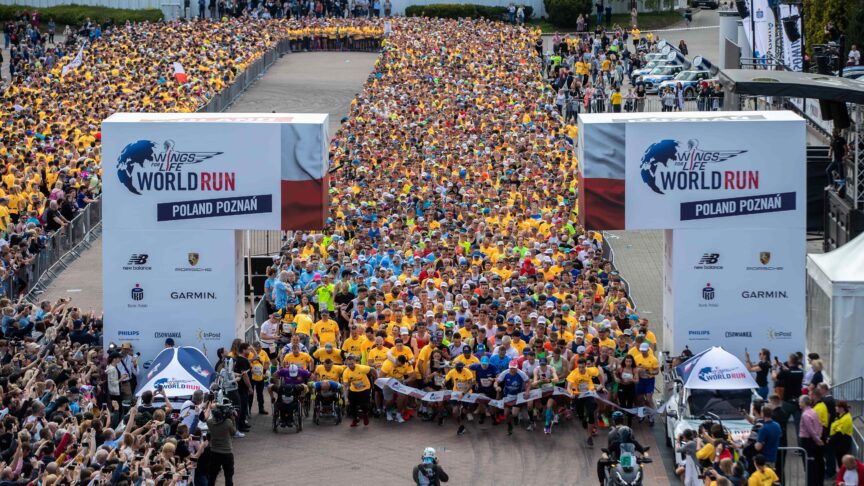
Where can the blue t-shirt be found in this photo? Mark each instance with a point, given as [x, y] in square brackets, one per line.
[769, 436]
[499, 362]
[485, 378]
[513, 384]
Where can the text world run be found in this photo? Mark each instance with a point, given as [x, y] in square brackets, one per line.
[698, 180]
[186, 181]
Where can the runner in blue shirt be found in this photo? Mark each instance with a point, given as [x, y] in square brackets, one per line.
[485, 376]
[511, 383]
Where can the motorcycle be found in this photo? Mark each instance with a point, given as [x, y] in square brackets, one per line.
[626, 470]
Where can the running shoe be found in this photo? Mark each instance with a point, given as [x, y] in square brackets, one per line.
[555, 419]
[470, 417]
[530, 427]
[355, 422]
[389, 416]
[590, 441]
[547, 430]
[239, 435]
[399, 418]
[365, 420]
[461, 430]
[509, 428]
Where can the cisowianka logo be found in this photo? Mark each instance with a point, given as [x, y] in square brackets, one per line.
[165, 169]
[709, 261]
[665, 167]
[138, 261]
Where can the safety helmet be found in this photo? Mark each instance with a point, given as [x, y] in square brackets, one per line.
[293, 371]
[617, 416]
[429, 453]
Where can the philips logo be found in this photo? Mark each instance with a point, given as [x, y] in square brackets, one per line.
[128, 333]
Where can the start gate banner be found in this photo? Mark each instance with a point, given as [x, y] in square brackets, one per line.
[692, 170]
[215, 171]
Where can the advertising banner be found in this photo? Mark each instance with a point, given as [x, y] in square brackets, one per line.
[793, 37]
[764, 22]
[177, 284]
[691, 170]
[214, 171]
[681, 174]
[744, 292]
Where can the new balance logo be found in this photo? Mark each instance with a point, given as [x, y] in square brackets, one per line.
[138, 259]
[709, 259]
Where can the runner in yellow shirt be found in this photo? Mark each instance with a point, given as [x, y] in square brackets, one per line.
[357, 379]
[648, 366]
[328, 371]
[579, 381]
[260, 362]
[463, 381]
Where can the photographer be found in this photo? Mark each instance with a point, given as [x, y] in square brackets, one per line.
[429, 472]
[220, 422]
[190, 411]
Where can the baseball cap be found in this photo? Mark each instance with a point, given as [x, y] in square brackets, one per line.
[404, 330]
[484, 360]
[644, 347]
[543, 361]
[513, 364]
[460, 365]
[398, 341]
[466, 349]
[580, 349]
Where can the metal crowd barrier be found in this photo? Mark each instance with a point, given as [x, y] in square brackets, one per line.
[59, 251]
[792, 464]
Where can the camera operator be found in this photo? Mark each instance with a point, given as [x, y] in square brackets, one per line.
[429, 472]
[220, 422]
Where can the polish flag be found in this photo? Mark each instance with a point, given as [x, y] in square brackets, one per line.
[180, 73]
[601, 175]
[305, 163]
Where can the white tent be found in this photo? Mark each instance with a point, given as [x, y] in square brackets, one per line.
[177, 371]
[835, 303]
[715, 369]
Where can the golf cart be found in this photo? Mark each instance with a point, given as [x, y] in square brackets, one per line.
[711, 387]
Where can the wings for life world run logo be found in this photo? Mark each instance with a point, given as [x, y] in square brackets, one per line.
[709, 374]
[668, 166]
[142, 167]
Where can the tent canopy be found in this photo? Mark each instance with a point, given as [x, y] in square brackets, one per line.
[841, 267]
[715, 369]
[793, 84]
[178, 371]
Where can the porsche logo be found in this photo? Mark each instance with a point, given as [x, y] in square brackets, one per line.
[765, 257]
[193, 259]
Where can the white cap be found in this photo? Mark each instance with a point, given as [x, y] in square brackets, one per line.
[404, 330]
[644, 347]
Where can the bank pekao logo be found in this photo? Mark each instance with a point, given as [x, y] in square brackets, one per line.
[708, 292]
[691, 169]
[137, 293]
[709, 374]
[192, 258]
[163, 170]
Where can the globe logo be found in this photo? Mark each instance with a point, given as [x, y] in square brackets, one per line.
[658, 153]
[133, 154]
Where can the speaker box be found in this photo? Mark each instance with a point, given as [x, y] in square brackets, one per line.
[743, 8]
[840, 115]
[825, 110]
[790, 27]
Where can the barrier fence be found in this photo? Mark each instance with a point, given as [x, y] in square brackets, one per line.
[792, 464]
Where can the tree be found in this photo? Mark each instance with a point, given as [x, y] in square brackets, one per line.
[564, 13]
[846, 15]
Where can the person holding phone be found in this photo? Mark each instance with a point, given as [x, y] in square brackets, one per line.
[761, 368]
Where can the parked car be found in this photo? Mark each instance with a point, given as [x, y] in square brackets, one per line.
[712, 4]
[658, 75]
[689, 81]
[638, 73]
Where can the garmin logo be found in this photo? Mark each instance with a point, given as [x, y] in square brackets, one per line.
[764, 294]
[193, 295]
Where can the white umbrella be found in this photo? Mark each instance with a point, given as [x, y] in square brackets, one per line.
[715, 369]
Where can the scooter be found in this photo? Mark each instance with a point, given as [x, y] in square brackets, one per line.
[627, 470]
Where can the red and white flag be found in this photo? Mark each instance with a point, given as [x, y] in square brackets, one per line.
[180, 73]
[304, 175]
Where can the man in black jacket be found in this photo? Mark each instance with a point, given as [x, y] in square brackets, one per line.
[429, 472]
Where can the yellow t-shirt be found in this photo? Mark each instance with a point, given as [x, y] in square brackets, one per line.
[302, 359]
[391, 370]
[616, 98]
[763, 478]
[376, 357]
[406, 351]
[321, 354]
[326, 331]
[355, 346]
[461, 379]
[259, 365]
[357, 379]
[648, 363]
[583, 382]
[304, 324]
[470, 360]
[335, 373]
